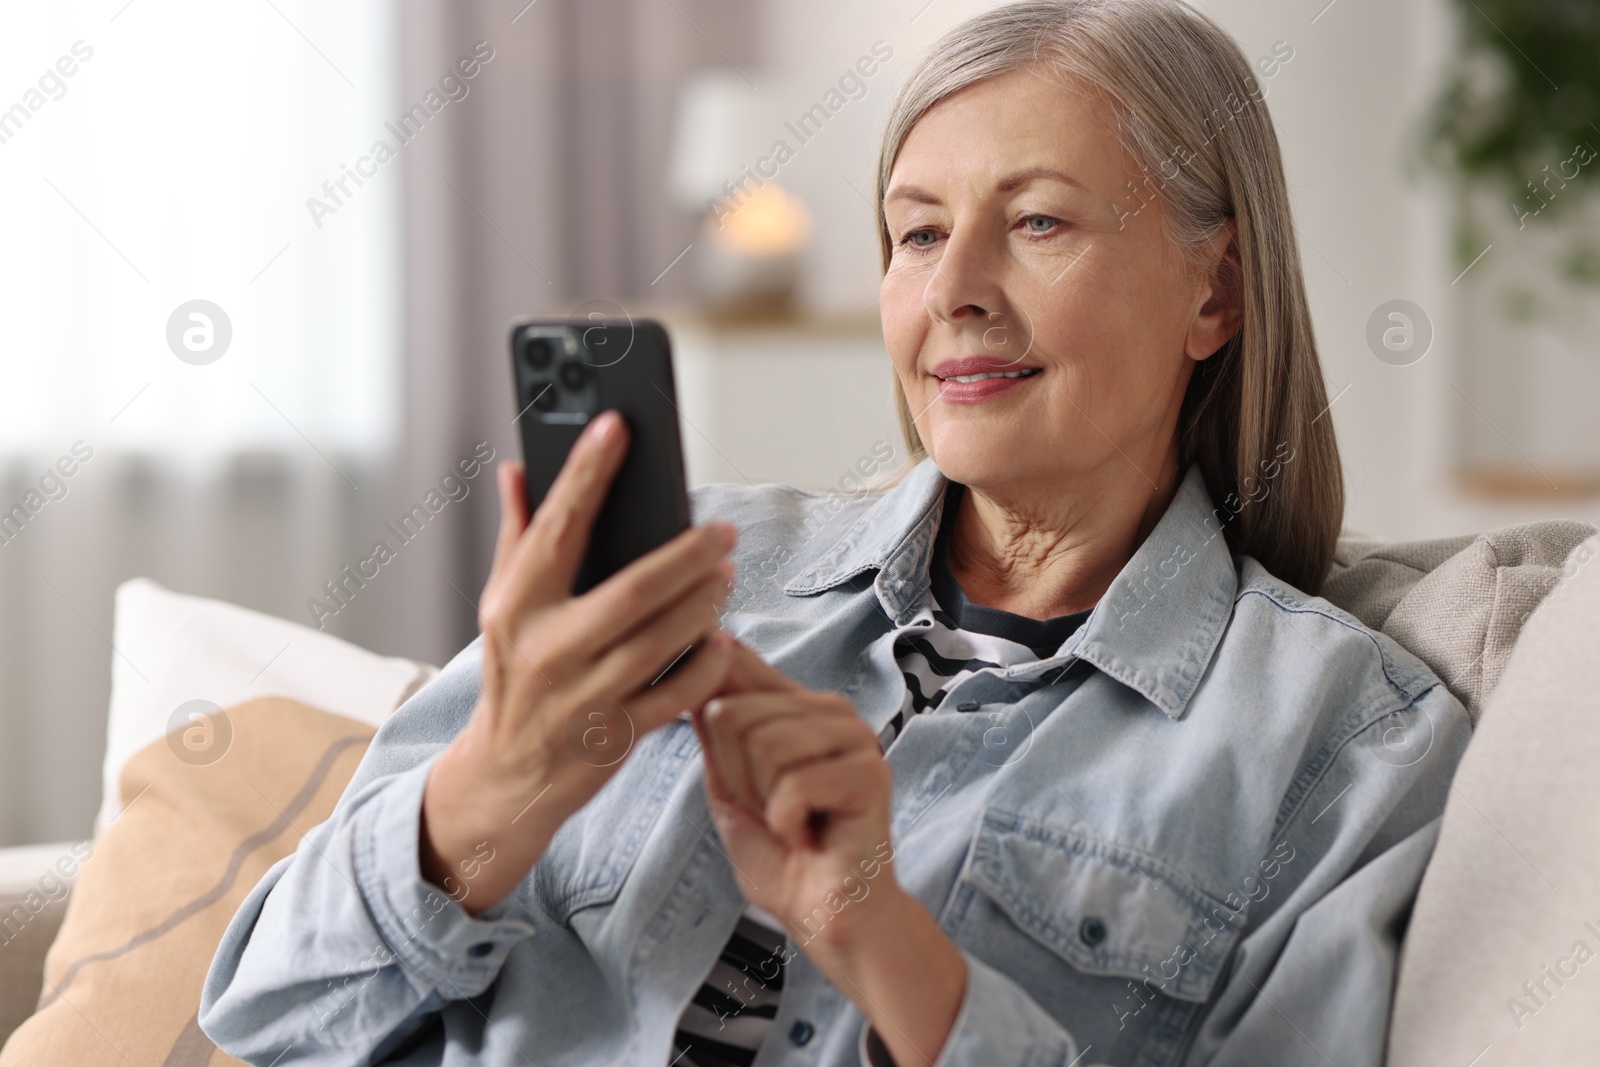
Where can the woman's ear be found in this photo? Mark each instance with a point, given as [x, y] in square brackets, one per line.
[1221, 308]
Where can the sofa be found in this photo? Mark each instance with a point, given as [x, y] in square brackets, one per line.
[1496, 962]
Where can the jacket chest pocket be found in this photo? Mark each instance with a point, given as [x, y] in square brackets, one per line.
[1121, 949]
[590, 857]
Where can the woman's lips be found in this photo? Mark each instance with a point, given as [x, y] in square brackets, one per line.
[993, 377]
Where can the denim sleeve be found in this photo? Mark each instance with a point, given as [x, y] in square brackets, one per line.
[1312, 980]
[343, 950]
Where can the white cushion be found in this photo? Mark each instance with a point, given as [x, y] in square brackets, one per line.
[1501, 964]
[171, 649]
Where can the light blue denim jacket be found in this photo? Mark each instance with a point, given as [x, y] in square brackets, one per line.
[1197, 844]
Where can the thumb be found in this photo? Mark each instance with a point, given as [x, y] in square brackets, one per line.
[749, 673]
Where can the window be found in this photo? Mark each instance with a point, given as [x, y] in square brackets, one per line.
[158, 153]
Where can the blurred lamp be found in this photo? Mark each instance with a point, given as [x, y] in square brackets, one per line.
[753, 230]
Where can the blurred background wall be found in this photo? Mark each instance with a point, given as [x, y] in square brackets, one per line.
[228, 154]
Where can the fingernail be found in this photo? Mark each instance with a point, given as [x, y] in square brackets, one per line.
[726, 533]
[713, 707]
[605, 426]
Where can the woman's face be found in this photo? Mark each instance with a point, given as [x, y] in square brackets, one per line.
[1020, 250]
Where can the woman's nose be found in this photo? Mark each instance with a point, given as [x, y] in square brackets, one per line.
[965, 282]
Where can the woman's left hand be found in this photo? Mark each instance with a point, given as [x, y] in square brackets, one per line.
[799, 790]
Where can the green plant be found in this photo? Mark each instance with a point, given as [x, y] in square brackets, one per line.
[1518, 120]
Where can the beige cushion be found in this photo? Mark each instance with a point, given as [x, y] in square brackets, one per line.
[1512, 895]
[122, 981]
[1458, 603]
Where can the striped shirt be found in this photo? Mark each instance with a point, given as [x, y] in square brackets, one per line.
[733, 1011]
[724, 1024]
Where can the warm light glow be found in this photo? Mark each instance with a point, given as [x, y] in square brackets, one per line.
[771, 222]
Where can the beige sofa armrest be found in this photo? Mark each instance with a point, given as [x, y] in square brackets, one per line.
[35, 881]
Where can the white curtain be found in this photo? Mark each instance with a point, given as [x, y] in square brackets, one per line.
[175, 164]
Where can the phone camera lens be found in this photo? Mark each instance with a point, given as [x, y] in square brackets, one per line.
[540, 353]
[572, 375]
[545, 399]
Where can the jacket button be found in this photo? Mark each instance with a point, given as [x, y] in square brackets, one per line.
[1092, 931]
[801, 1032]
[968, 705]
[481, 949]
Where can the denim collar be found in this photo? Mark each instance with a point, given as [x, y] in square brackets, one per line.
[1154, 630]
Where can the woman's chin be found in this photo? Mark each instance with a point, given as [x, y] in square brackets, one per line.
[979, 455]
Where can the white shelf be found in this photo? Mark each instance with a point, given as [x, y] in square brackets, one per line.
[799, 403]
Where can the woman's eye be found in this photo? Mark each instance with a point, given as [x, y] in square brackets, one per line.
[920, 238]
[1039, 224]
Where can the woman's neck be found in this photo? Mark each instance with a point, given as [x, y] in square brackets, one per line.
[1046, 554]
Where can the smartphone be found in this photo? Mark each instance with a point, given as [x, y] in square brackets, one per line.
[566, 372]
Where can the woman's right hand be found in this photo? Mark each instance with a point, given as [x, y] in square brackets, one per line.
[567, 681]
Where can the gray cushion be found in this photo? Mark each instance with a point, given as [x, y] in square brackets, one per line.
[1457, 603]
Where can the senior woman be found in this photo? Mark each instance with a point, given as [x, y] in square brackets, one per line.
[1044, 754]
